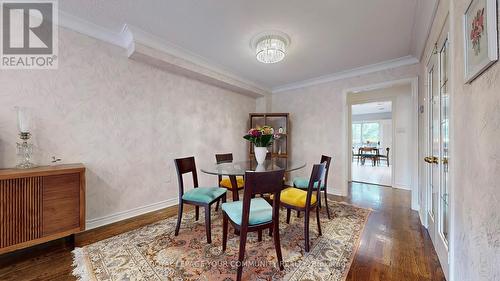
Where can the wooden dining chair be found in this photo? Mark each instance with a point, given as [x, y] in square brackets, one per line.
[303, 183]
[234, 184]
[304, 201]
[255, 214]
[355, 155]
[198, 196]
[370, 153]
[384, 157]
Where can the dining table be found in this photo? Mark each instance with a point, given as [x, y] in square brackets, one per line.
[239, 168]
[368, 152]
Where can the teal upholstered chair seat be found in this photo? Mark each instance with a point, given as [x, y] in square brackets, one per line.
[203, 194]
[303, 183]
[260, 211]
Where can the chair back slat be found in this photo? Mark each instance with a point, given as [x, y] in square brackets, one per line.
[223, 158]
[327, 160]
[262, 182]
[184, 166]
[317, 174]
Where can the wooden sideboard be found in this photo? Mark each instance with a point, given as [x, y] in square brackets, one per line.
[40, 204]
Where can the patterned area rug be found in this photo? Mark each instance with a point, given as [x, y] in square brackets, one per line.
[154, 253]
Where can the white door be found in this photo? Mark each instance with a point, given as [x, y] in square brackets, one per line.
[438, 150]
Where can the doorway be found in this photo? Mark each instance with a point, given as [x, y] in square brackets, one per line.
[371, 126]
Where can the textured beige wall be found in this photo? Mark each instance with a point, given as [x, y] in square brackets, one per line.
[475, 158]
[126, 121]
[318, 117]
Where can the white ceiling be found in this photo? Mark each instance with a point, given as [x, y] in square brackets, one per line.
[371, 108]
[327, 37]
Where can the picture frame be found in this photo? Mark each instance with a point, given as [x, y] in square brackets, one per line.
[480, 37]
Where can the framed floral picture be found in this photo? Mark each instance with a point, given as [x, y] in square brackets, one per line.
[480, 37]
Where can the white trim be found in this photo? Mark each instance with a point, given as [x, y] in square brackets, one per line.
[116, 217]
[402, 187]
[150, 40]
[129, 37]
[423, 220]
[415, 205]
[418, 48]
[492, 31]
[337, 192]
[90, 29]
[389, 64]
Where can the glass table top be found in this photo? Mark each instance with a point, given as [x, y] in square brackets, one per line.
[238, 168]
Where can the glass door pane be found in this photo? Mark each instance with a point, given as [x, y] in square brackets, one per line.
[445, 139]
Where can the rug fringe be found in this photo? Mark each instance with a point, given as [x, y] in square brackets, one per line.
[80, 268]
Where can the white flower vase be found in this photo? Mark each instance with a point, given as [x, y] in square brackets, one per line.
[260, 154]
[260, 168]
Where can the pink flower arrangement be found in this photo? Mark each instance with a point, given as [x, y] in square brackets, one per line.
[261, 136]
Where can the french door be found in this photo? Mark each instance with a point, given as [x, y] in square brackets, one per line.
[438, 189]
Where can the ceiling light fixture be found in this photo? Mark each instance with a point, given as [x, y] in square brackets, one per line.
[270, 47]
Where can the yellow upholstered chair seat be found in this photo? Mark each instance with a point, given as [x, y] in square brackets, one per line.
[226, 182]
[295, 197]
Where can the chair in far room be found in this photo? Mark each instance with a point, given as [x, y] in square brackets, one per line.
[356, 155]
[384, 157]
[198, 196]
[226, 181]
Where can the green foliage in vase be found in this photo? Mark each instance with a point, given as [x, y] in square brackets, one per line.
[261, 137]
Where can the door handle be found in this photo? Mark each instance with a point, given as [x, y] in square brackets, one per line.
[431, 160]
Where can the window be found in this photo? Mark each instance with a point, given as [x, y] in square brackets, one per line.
[365, 133]
[356, 134]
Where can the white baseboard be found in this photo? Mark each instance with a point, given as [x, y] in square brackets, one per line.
[337, 193]
[97, 222]
[422, 219]
[402, 187]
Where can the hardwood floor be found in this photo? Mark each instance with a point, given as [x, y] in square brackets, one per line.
[380, 175]
[394, 246]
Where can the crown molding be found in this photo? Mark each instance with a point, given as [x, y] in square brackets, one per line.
[389, 64]
[151, 49]
[148, 48]
[143, 46]
[91, 29]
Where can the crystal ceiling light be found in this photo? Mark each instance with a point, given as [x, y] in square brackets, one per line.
[270, 47]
